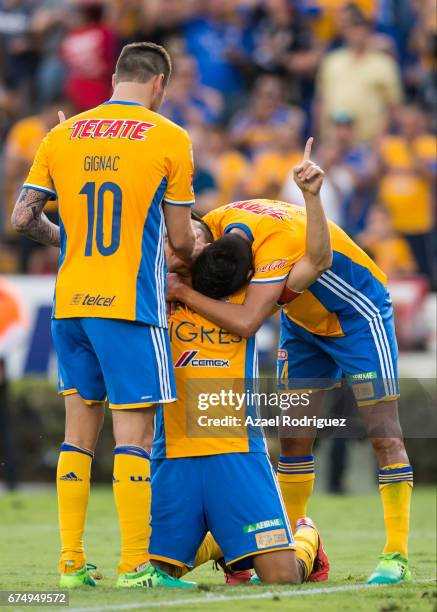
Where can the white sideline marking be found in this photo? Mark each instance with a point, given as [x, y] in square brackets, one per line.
[220, 598]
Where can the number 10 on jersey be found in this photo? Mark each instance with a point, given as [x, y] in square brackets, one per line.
[89, 189]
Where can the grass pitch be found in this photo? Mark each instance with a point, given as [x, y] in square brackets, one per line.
[352, 529]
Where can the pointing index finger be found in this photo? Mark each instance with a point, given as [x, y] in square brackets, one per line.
[308, 147]
[61, 116]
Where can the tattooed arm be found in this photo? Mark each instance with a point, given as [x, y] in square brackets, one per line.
[29, 219]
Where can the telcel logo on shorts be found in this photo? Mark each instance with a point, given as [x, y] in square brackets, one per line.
[188, 358]
[80, 299]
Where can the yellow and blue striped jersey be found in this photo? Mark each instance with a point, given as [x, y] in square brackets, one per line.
[208, 360]
[111, 168]
[278, 232]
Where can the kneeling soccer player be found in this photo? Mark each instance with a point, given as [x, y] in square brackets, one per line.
[337, 319]
[223, 484]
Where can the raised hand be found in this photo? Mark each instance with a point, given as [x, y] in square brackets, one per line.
[308, 175]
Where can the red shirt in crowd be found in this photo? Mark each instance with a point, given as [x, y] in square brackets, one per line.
[89, 55]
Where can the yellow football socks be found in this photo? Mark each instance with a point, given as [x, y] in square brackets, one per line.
[73, 486]
[306, 540]
[296, 478]
[132, 493]
[395, 486]
[209, 550]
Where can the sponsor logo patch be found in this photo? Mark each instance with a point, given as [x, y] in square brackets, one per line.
[364, 390]
[258, 209]
[276, 264]
[267, 539]
[282, 354]
[131, 129]
[188, 358]
[263, 525]
[363, 376]
[81, 299]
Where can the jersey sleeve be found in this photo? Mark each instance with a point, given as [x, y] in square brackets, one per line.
[276, 255]
[180, 190]
[212, 221]
[39, 175]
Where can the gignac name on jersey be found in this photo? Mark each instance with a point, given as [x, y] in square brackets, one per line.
[130, 129]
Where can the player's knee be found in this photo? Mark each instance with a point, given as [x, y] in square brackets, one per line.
[390, 450]
[281, 576]
[296, 447]
[278, 567]
[133, 427]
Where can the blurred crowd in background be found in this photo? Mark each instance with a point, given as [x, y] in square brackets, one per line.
[251, 80]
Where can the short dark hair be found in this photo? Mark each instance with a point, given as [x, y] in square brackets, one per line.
[223, 267]
[141, 61]
[205, 227]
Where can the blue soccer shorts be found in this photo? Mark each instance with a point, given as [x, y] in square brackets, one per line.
[367, 356]
[235, 496]
[126, 362]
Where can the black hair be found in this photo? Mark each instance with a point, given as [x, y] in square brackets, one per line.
[205, 227]
[223, 267]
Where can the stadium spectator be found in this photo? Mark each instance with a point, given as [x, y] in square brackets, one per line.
[408, 170]
[283, 45]
[221, 42]
[361, 164]
[187, 101]
[252, 129]
[390, 251]
[20, 149]
[228, 166]
[89, 52]
[360, 80]
[49, 26]
[17, 49]
[323, 15]
[271, 168]
[204, 183]
[422, 46]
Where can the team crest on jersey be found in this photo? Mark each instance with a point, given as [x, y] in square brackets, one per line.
[282, 354]
[188, 358]
[130, 129]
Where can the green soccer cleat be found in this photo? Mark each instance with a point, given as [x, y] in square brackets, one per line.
[150, 578]
[82, 577]
[392, 569]
[255, 579]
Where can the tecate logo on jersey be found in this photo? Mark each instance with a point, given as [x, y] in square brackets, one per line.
[82, 299]
[258, 209]
[110, 128]
[187, 358]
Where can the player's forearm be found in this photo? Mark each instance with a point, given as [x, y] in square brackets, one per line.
[180, 232]
[318, 249]
[28, 218]
[183, 246]
[239, 319]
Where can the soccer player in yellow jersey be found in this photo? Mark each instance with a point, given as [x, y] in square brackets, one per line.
[338, 319]
[220, 479]
[122, 175]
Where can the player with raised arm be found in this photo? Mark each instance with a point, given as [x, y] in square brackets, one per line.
[338, 319]
[122, 175]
